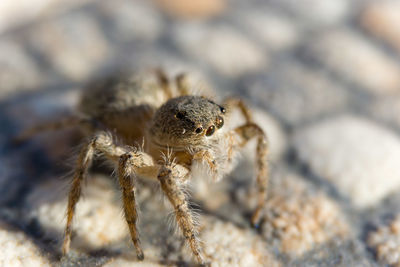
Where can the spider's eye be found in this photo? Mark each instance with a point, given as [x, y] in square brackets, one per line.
[223, 110]
[220, 122]
[210, 130]
[180, 115]
[199, 130]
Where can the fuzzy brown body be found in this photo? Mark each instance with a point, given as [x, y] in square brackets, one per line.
[150, 127]
[124, 104]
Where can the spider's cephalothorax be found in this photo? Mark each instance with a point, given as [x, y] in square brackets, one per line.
[186, 121]
[177, 128]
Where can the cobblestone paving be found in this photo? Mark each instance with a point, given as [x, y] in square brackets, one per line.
[323, 76]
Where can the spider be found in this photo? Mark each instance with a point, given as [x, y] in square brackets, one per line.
[179, 131]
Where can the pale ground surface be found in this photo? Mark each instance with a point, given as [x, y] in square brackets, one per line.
[322, 76]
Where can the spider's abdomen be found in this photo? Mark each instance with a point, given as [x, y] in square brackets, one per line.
[120, 92]
[124, 103]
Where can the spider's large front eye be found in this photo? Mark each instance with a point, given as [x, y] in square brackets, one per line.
[220, 122]
[210, 130]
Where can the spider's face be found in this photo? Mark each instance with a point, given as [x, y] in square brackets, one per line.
[187, 121]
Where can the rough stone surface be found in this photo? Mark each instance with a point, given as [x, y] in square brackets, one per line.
[192, 8]
[228, 245]
[15, 63]
[300, 96]
[356, 155]
[227, 50]
[358, 60]
[74, 45]
[298, 219]
[385, 241]
[386, 109]
[379, 18]
[99, 219]
[274, 30]
[317, 12]
[19, 250]
[15, 14]
[132, 21]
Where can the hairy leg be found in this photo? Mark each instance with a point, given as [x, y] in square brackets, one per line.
[101, 143]
[182, 84]
[169, 177]
[243, 135]
[50, 126]
[125, 173]
[164, 82]
[233, 102]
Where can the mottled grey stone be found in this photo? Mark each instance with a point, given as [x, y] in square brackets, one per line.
[221, 47]
[132, 20]
[18, 250]
[296, 93]
[73, 43]
[385, 241]
[356, 155]
[318, 12]
[356, 59]
[18, 71]
[379, 19]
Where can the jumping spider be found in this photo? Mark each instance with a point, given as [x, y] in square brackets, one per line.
[178, 130]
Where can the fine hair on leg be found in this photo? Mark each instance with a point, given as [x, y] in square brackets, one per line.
[169, 181]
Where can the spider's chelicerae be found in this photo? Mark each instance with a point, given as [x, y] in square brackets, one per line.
[179, 132]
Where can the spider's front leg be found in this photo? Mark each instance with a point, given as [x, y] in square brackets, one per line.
[127, 163]
[170, 177]
[54, 125]
[102, 142]
[241, 135]
[127, 160]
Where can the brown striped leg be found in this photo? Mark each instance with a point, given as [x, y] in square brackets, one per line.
[125, 177]
[164, 82]
[169, 180]
[247, 132]
[233, 102]
[49, 126]
[182, 84]
[103, 143]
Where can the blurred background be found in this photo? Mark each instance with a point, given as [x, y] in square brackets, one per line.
[323, 76]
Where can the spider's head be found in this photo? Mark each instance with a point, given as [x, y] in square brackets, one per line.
[187, 121]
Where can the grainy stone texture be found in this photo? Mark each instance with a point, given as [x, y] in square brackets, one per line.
[357, 60]
[300, 65]
[359, 157]
[237, 247]
[19, 250]
[318, 12]
[74, 46]
[379, 18]
[386, 109]
[276, 31]
[192, 8]
[14, 64]
[298, 219]
[132, 21]
[302, 94]
[15, 14]
[385, 241]
[99, 219]
[228, 51]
